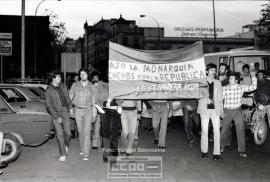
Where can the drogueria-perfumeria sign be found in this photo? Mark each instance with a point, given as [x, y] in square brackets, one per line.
[197, 31]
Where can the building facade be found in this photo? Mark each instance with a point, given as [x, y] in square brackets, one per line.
[95, 49]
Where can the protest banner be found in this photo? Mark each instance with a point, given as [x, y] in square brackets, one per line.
[162, 74]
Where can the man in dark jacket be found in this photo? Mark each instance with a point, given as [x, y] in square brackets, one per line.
[262, 94]
[58, 105]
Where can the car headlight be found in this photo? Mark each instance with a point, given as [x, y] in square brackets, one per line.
[260, 107]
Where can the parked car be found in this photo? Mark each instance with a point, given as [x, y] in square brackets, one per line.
[23, 127]
[21, 98]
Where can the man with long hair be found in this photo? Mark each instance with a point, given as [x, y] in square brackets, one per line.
[58, 105]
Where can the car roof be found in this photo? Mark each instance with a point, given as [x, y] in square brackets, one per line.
[36, 85]
[238, 52]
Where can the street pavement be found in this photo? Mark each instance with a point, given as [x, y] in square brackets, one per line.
[180, 162]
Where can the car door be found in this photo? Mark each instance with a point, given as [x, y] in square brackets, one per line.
[32, 126]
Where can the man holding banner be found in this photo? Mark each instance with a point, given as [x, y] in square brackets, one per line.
[156, 75]
[211, 108]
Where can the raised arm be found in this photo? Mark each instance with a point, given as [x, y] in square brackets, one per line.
[253, 86]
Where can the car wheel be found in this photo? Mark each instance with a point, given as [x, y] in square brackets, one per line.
[12, 150]
[260, 132]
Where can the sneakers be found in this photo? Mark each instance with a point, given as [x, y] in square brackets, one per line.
[243, 154]
[1, 172]
[81, 153]
[155, 141]
[85, 159]
[62, 158]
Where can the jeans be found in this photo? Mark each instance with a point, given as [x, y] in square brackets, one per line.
[96, 132]
[205, 117]
[83, 119]
[236, 115]
[129, 125]
[63, 132]
[160, 121]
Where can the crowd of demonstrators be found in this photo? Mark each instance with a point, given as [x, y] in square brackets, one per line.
[108, 121]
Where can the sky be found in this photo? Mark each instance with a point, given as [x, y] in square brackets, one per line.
[231, 15]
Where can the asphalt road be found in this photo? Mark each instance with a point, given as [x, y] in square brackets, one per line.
[180, 162]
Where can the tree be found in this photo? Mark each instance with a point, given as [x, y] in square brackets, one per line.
[265, 14]
[58, 36]
[57, 29]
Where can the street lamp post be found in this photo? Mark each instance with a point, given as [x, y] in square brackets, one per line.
[23, 41]
[142, 16]
[39, 5]
[214, 20]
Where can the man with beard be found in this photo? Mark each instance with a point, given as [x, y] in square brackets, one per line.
[223, 74]
[82, 96]
[101, 93]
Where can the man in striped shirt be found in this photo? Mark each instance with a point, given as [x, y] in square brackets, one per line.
[232, 95]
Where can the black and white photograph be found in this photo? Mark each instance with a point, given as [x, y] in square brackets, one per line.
[134, 90]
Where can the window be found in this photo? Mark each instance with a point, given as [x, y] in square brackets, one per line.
[4, 107]
[37, 92]
[12, 95]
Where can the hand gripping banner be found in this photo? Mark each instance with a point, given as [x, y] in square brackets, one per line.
[156, 74]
